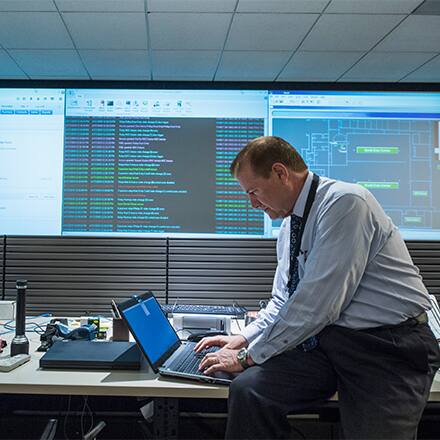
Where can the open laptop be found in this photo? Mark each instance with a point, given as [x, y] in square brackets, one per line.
[159, 342]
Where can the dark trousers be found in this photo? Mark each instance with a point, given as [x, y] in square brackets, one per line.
[383, 378]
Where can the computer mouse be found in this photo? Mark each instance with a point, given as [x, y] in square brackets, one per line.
[196, 337]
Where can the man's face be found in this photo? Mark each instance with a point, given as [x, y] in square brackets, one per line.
[269, 194]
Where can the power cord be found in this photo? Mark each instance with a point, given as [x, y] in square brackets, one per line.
[35, 327]
[69, 401]
[86, 406]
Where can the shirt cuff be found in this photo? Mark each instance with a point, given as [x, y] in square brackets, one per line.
[250, 332]
[261, 352]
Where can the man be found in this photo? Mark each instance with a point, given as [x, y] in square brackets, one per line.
[347, 312]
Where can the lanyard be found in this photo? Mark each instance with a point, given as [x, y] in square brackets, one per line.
[309, 203]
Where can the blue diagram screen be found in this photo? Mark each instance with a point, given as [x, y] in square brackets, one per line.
[386, 142]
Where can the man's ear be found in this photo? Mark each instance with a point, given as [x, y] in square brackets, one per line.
[280, 171]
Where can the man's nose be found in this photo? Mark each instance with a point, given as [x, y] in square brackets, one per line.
[254, 202]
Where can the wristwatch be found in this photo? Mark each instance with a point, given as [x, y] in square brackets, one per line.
[242, 356]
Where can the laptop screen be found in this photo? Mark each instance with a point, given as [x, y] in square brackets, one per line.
[150, 328]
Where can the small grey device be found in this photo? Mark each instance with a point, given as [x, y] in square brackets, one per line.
[193, 322]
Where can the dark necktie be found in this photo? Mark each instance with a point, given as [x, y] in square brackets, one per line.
[295, 225]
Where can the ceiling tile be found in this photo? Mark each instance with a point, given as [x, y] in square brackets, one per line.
[188, 31]
[107, 30]
[318, 66]
[386, 66]
[257, 31]
[184, 65]
[27, 5]
[59, 63]
[191, 5]
[101, 5]
[251, 66]
[373, 6]
[9, 69]
[349, 31]
[430, 72]
[37, 30]
[274, 6]
[116, 64]
[429, 7]
[417, 33]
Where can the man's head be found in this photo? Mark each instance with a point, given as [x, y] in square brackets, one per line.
[272, 173]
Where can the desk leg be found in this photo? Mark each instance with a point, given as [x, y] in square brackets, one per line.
[166, 418]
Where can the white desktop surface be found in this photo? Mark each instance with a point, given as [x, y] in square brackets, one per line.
[29, 378]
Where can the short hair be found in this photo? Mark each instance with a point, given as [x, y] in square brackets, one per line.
[261, 153]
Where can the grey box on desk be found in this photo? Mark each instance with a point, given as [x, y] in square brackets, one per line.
[120, 330]
[91, 355]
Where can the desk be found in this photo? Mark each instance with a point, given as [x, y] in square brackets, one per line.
[30, 379]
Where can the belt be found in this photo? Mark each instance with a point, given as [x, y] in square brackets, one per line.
[420, 319]
[312, 342]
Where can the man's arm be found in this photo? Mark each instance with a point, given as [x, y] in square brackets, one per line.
[268, 315]
[332, 273]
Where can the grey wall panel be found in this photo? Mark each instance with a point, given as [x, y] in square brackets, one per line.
[426, 256]
[2, 263]
[220, 271]
[76, 275]
[213, 271]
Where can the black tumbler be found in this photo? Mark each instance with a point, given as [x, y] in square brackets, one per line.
[20, 343]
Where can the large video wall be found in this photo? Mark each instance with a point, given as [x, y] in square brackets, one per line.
[156, 162]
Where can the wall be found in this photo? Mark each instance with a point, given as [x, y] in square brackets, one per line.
[79, 275]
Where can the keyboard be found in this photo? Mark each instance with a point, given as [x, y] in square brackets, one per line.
[199, 309]
[188, 361]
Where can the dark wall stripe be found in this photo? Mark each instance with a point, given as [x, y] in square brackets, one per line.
[3, 265]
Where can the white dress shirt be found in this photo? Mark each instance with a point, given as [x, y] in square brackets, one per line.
[354, 269]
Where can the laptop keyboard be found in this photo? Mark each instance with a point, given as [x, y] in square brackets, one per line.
[188, 360]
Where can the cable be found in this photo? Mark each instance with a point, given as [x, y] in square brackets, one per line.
[238, 323]
[86, 406]
[30, 326]
[66, 417]
[299, 432]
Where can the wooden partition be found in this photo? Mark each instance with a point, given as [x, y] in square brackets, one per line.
[220, 271]
[79, 275]
[426, 256]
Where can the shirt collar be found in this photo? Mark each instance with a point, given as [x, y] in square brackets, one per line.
[300, 203]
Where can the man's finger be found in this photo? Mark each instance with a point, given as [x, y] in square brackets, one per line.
[201, 345]
[207, 361]
[212, 369]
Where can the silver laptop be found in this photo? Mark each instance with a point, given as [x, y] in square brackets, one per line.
[160, 344]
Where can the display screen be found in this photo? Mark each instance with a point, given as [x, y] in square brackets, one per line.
[386, 142]
[116, 162]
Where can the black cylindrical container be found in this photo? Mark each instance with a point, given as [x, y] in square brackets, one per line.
[20, 343]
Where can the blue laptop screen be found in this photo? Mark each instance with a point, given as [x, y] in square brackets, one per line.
[151, 328]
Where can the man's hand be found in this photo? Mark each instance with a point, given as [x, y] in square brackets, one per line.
[231, 342]
[222, 360]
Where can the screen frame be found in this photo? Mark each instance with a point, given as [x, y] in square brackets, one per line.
[311, 86]
[136, 300]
